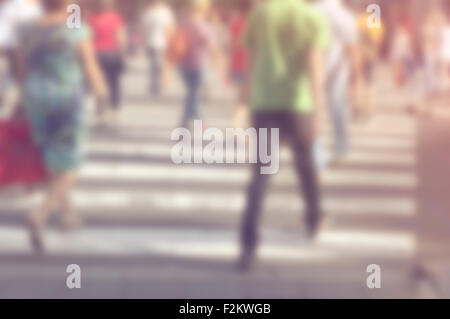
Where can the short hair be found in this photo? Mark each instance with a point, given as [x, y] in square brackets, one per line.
[53, 5]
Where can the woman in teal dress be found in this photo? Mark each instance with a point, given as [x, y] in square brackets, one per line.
[56, 59]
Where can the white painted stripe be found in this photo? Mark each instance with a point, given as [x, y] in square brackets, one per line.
[182, 203]
[214, 244]
[374, 157]
[168, 116]
[188, 173]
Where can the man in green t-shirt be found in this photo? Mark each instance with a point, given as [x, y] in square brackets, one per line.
[285, 39]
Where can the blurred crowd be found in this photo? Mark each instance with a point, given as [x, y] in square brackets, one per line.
[289, 61]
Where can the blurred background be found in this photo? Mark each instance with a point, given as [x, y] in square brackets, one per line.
[153, 229]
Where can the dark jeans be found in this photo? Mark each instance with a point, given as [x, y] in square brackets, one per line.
[156, 59]
[111, 64]
[193, 80]
[297, 129]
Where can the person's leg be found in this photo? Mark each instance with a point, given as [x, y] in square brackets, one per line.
[252, 214]
[364, 103]
[192, 79]
[186, 76]
[57, 193]
[112, 73]
[69, 219]
[158, 70]
[368, 89]
[154, 71]
[166, 71]
[255, 197]
[115, 85]
[196, 88]
[301, 129]
[113, 65]
[103, 106]
[41, 215]
[105, 64]
[150, 69]
[337, 104]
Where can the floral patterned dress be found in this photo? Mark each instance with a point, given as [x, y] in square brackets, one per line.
[53, 93]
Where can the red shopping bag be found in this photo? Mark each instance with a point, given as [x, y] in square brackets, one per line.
[20, 160]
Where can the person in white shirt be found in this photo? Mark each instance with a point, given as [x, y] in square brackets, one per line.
[158, 23]
[340, 62]
[13, 13]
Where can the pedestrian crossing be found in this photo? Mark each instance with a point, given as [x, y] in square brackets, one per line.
[378, 182]
[136, 203]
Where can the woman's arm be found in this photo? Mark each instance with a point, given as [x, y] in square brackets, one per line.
[92, 69]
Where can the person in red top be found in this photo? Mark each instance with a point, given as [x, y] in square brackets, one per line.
[238, 58]
[238, 64]
[109, 36]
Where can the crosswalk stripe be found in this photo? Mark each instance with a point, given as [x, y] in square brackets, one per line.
[230, 203]
[101, 170]
[215, 244]
[380, 154]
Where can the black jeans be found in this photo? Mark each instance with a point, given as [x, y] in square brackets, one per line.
[111, 64]
[298, 130]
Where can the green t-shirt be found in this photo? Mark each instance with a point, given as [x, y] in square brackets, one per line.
[280, 35]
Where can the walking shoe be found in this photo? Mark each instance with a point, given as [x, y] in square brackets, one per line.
[246, 260]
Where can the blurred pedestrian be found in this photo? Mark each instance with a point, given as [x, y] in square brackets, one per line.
[238, 64]
[285, 39]
[110, 39]
[13, 13]
[198, 44]
[370, 41]
[238, 57]
[158, 24]
[51, 73]
[341, 61]
[403, 60]
[214, 71]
